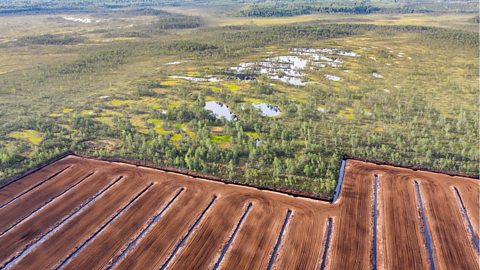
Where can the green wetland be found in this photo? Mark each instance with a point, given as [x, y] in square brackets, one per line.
[273, 101]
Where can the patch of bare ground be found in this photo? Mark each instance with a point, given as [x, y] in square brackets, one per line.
[134, 217]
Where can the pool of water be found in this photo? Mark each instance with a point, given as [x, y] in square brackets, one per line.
[332, 78]
[267, 109]
[219, 110]
[289, 80]
[377, 75]
[290, 68]
[195, 79]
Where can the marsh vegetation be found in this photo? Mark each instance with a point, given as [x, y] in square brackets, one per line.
[274, 103]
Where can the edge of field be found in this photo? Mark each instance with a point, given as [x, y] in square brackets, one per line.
[411, 167]
[7, 181]
[289, 192]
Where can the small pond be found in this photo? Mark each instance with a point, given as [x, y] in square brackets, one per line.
[219, 110]
[267, 109]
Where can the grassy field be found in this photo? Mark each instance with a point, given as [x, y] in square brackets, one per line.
[135, 85]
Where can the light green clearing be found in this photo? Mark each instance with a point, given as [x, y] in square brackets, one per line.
[29, 135]
[220, 139]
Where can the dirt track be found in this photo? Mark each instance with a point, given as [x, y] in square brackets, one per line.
[80, 213]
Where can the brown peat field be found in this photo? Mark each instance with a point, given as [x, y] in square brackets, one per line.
[84, 213]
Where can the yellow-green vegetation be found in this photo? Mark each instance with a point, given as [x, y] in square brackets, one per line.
[185, 129]
[120, 102]
[29, 135]
[106, 120]
[171, 82]
[111, 113]
[138, 121]
[158, 125]
[220, 139]
[176, 137]
[347, 113]
[402, 88]
[88, 112]
[150, 102]
[253, 135]
[232, 87]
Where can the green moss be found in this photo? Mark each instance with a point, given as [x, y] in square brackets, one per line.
[157, 123]
[29, 135]
[87, 112]
[253, 135]
[220, 139]
[176, 137]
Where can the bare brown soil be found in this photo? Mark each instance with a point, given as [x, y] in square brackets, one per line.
[106, 219]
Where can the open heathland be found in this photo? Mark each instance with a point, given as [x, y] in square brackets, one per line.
[84, 213]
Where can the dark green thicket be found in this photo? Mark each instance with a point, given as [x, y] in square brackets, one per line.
[49, 39]
[267, 35]
[295, 10]
[177, 22]
[102, 60]
[243, 8]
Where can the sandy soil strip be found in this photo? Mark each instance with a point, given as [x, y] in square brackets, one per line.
[113, 239]
[144, 231]
[281, 235]
[466, 219]
[152, 251]
[74, 233]
[47, 203]
[213, 234]
[401, 233]
[471, 198]
[302, 249]
[37, 198]
[99, 230]
[18, 196]
[374, 222]
[450, 239]
[29, 182]
[352, 247]
[227, 245]
[33, 228]
[190, 231]
[257, 237]
[326, 244]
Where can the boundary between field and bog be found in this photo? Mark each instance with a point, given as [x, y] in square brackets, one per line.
[411, 167]
[201, 176]
[197, 175]
[16, 177]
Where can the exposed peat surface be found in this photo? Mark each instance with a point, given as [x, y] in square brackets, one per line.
[86, 213]
[467, 219]
[426, 231]
[375, 217]
[328, 234]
